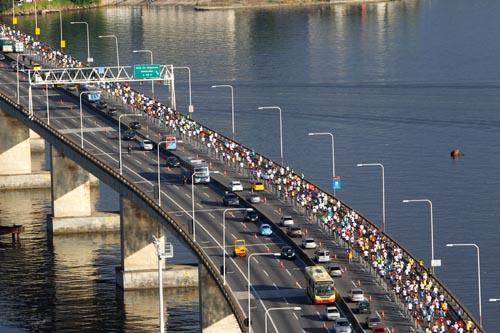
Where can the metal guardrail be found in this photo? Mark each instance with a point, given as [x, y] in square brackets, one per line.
[52, 135]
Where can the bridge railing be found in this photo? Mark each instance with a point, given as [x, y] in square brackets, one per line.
[54, 137]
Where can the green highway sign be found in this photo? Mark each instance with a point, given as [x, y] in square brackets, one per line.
[147, 71]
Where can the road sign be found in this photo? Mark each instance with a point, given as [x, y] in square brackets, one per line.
[336, 183]
[147, 71]
[436, 263]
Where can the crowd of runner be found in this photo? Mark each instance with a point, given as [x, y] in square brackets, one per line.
[410, 281]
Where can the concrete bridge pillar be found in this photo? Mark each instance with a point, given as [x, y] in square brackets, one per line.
[139, 267]
[215, 313]
[15, 153]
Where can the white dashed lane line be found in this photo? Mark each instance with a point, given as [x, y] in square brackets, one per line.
[211, 215]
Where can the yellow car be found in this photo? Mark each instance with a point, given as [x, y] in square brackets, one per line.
[240, 249]
[258, 186]
[37, 66]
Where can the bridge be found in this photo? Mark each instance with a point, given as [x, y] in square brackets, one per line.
[275, 282]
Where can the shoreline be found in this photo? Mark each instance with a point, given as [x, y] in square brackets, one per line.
[194, 4]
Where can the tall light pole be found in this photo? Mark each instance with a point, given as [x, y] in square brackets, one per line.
[250, 283]
[232, 102]
[62, 42]
[294, 308]
[433, 262]
[89, 59]
[159, 180]
[151, 55]
[120, 134]
[191, 107]
[116, 44]
[14, 18]
[192, 200]
[224, 239]
[161, 255]
[383, 187]
[37, 29]
[333, 151]
[478, 277]
[281, 127]
[17, 71]
[81, 113]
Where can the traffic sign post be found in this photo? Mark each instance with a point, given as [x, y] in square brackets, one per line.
[147, 71]
[336, 183]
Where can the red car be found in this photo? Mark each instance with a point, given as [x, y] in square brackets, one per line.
[380, 328]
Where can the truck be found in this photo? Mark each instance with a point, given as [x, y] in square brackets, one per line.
[198, 171]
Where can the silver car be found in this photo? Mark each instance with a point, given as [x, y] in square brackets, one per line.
[254, 198]
[322, 256]
[286, 221]
[342, 325]
[309, 243]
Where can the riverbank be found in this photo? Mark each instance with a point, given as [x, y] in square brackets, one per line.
[44, 7]
[241, 4]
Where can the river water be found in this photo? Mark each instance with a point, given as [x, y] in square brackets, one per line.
[400, 83]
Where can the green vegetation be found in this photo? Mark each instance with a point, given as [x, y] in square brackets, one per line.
[29, 7]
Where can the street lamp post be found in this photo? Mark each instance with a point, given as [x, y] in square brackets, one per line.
[81, 113]
[383, 187]
[478, 277]
[151, 55]
[62, 42]
[433, 262]
[192, 200]
[281, 127]
[190, 107]
[250, 284]
[224, 239]
[333, 152]
[160, 256]
[116, 44]
[120, 134]
[294, 308]
[159, 180]
[89, 59]
[37, 29]
[14, 18]
[17, 72]
[232, 102]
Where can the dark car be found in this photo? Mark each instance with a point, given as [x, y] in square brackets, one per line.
[101, 105]
[230, 199]
[134, 125]
[173, 162]
[364, 307]
[251, 215]
[112, 111]
[287, 252]
[129, 135]
[294, 231]
[372, 321]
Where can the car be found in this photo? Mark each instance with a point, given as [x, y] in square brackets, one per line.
[287, 252]
[254, 198]
[258, 186]
[321, 256]
[380, 328]
[2, 57]
[251, 215]
[294, 231]
[134, 125]
[265, 230]
[112, 111]
[372, 321]
[129, 135]
[146, 144]
[364, 306]
[236, 186]
[356, 295]
[230, 199]
[332, 313]
[309, 243]
[342, 325]
[101, 105]
[37, 66]
[13, 65]
[286, 220]
[334, 270]
[72, 87]
[173, 162]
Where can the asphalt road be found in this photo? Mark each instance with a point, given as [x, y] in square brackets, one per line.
[276, 282]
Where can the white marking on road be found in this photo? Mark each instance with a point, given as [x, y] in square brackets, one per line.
[275, 286]
[176, 187]
[234, 236]
[288, 272]
[206, 194]
[211, 215]
[265, 272]
[319, 315]
[139, 162]
[199, 204]
[354, 284]
[187, 195]
[295, 315]
[254, 259]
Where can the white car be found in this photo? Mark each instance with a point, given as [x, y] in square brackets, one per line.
[286, 221]
[356, 295]
[334, 270]
[236, 186]
[322, 256]
[254, 198]
[146, 144]
[332, 313]
[309, 243]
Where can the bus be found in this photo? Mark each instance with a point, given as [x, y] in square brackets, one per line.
[320, 286]
[170, 142]
[198, 171]
[7, 45]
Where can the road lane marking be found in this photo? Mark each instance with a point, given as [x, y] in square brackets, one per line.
[211, 215]
[319, 315]
[206, 194]
[295, 315]
[265, 272]
[199, 204]
[234, 236]
[187, 195]
[288, 272]
[354, 284]
[254, 259]
[275, 286]
[176, 187]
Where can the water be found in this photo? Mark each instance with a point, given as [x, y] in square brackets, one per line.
[401, 83]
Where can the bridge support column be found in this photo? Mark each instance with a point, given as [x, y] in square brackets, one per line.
[37, 144]
[71, 204]
[215, 314]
